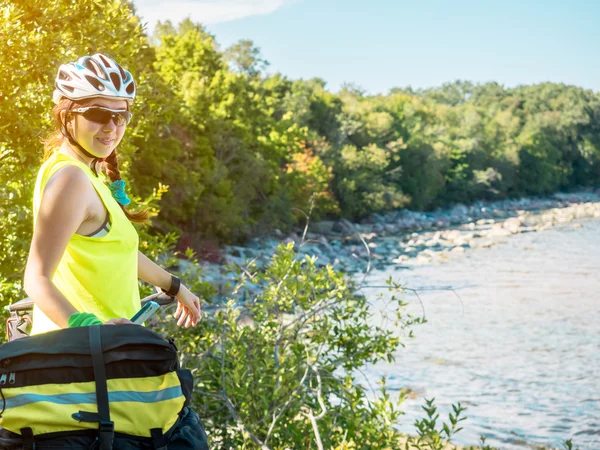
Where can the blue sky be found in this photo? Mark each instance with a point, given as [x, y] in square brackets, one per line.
[380, 44]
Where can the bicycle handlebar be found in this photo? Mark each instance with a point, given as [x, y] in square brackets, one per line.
[159, 297]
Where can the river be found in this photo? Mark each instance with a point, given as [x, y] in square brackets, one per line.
[520, 348]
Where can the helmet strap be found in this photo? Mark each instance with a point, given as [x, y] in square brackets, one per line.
[65, 132]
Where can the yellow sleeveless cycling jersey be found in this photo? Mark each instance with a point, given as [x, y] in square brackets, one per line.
[96, 274]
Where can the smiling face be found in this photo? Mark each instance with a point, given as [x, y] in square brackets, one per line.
[98, 139]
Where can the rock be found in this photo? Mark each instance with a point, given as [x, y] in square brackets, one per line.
[368, 236]
[421, 259]
[310, 250]
[324, 246]
[512, 225]
[234, 260]
[452, 235]
[322, 240]
[432, 243]
[463, 239]
[236, 251]
[581, 212]
[406, 223]
[547, 218]
[322, 227]
[390, 228]
[343, 226]
[458, 250]
[459, 210]
[378, 228]
[565, 218]
[498, 231]
[364, 227]
[530, 221]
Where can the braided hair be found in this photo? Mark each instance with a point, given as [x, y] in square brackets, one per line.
[111, 167]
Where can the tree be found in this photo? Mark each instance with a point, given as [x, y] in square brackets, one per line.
[245, 57]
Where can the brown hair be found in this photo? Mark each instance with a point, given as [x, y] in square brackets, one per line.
[111, 165]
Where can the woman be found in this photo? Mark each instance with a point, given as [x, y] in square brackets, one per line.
[84, 262]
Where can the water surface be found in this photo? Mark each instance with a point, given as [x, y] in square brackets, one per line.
[522, 351]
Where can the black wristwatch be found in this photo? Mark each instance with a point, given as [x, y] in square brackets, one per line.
[175, 285]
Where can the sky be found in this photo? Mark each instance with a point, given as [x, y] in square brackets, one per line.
[381, 44]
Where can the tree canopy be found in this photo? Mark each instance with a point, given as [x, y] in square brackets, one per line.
[244, 152]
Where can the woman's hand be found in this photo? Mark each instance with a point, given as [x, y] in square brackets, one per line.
[188, 307]
[118, 321]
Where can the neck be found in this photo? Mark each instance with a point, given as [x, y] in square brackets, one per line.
[67, 149]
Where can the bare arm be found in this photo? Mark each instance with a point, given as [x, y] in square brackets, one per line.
[151, 273]
[188, 306]
[63, 209]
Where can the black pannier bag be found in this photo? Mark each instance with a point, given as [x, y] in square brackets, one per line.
[99, 387]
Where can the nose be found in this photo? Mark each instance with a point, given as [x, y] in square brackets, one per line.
[110, 126]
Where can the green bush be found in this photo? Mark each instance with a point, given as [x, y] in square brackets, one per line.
[283, 367]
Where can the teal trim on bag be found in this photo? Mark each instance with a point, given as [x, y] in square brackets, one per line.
[113, 397]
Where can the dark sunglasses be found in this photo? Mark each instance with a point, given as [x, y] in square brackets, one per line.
[102, 115]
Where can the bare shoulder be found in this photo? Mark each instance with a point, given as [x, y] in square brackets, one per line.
[69, 186]
[69, 178]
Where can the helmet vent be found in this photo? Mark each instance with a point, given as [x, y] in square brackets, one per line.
[94, 82]
[116, 80]
[123, 75]
[68, 88]
[94, 67]
[130, 89]
[63, 76]
[104, 60]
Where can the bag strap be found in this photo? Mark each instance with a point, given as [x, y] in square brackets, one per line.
[106, 428]
[158, 439]
[28, 439]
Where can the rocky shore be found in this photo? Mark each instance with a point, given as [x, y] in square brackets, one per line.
[402, 239]
[406, 238]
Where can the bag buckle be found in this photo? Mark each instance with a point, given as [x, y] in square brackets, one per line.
[106, 434]
[106, 426]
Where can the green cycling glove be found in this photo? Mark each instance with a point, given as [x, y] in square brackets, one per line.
[83, 319]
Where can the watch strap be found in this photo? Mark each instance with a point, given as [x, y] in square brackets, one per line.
[174, 288]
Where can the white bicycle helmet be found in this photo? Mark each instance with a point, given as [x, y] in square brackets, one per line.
[94, 76]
